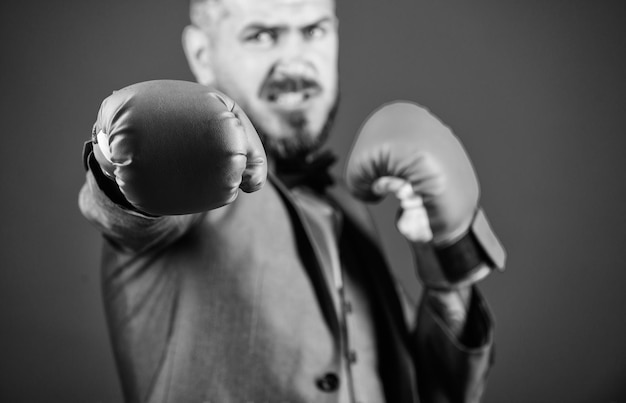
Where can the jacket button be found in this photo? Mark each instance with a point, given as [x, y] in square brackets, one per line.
[352, 357]
[328, 383]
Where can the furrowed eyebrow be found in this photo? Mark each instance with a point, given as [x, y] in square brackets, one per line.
[253, 27]
[319, 22]
[258, 26]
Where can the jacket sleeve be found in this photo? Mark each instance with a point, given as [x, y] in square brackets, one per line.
[452, 368]
[124, 227]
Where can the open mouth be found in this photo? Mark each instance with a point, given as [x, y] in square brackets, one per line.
[290, 92]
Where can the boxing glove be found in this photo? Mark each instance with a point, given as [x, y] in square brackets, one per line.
[403, 148]
[176, 147]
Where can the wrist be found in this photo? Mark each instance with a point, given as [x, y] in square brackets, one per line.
[451, 306]
[106, 183]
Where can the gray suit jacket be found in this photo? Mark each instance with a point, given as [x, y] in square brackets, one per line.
[233, 306]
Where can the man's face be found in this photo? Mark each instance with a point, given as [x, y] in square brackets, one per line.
[278, 60]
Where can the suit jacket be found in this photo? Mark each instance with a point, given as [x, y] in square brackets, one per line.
[233, 305]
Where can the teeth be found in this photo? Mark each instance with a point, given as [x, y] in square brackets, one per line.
[288, 99]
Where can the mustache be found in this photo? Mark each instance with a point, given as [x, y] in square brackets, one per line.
[276, 85]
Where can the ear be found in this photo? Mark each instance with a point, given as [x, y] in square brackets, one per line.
[196, 44]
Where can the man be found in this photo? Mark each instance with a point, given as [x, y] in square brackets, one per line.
[281, 295]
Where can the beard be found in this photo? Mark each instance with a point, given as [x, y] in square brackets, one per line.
[303, 141]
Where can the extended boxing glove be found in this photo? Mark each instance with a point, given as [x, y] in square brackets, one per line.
[176, 147]
[402, 143]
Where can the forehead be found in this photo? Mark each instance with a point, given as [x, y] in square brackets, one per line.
[278, 11]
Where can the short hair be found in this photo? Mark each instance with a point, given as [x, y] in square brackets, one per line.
[204, 13]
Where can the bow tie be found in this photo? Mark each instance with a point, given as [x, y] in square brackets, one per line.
[311, 171]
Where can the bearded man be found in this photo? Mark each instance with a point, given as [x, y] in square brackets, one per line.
[281, 293]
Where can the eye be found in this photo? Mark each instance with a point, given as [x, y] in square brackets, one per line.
[314, 32]
[265, 37]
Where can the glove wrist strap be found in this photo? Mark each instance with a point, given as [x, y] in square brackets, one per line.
[466, 261]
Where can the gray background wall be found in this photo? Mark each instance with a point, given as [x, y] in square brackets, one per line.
[535, 90]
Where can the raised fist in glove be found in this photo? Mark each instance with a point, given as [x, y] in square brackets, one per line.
[176, 147]
[403, 149]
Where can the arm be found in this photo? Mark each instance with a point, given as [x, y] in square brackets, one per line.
[453, 337]
[404, 150]
[453, 345]
[163, 153]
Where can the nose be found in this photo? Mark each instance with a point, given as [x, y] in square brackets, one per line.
[294, 43]
[294, 48]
